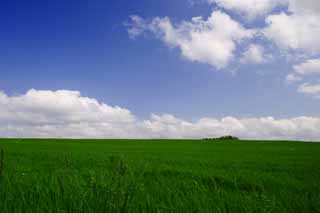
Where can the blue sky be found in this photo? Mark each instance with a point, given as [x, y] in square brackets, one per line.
[85, 46]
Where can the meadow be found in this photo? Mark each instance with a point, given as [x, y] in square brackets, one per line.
[42, 175]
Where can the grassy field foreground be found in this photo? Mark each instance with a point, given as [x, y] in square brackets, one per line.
[159, 176]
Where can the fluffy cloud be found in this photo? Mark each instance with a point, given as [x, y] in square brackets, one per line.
[48, 113]
[68, 114]
[301, 71]
[309, 67]
[63, 105]
[310, 89]
[292, 78]
[137, 26]
[212, 41]
[297, 27]
[255, 54]
[297, 30]
[304, 6]
[249, 8]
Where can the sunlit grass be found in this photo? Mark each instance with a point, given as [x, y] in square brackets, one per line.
[158, 175]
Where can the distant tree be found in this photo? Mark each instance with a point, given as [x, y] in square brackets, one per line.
[227, 137]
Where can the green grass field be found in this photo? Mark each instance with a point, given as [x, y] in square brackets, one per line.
[159, 176]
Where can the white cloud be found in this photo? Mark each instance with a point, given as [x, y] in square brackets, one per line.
[212, 41]
[255, 54]
[39, 113]
[136, 27]
[310, 89]
[309, 67]
[68, 114]
[292, 78]
[249, 8]
[304, 6]
[297, 30]
[297, 27]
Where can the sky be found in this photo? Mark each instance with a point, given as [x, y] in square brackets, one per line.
[160, 69]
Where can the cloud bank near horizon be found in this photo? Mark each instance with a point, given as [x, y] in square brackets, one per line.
[67, 114]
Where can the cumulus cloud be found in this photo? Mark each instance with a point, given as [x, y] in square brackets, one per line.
[311, 66]
[212, 41]
[137, 26]
[249, 8]
[297, 30]
[307, 68]
[292, 78]
[297, 27]
[301, 72]
[310, 89]
[255, 54]
[64, 113]
[304, 6]
[49, 113]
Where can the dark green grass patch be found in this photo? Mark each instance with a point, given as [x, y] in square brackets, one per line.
[158, 176]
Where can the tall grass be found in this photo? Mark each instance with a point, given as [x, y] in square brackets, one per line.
[159, 176]
[1, 161]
